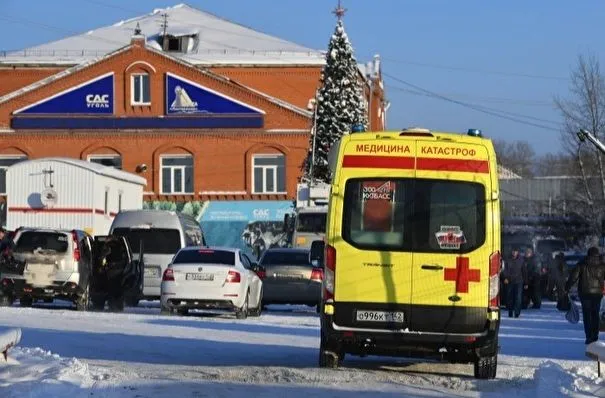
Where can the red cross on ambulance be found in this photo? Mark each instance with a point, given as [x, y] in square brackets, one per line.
[462, 274]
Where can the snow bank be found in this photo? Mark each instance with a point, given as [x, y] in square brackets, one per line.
[34, 372]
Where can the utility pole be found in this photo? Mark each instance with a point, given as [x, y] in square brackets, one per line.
[164, 24]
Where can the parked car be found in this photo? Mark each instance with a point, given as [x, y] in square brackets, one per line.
[212, 278]
[57, 264]
[117, 277]
[291, 278]
[163, 233]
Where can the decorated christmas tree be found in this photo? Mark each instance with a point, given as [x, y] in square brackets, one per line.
[340, 103]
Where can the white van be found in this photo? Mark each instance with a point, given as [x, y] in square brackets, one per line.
[163, 234]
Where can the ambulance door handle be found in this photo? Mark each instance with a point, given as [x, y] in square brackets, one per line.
[432, 267]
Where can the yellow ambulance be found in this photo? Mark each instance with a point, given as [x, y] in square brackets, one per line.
[412, 249]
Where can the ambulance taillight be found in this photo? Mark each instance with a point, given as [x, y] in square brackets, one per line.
[494, 279]
[330, 272]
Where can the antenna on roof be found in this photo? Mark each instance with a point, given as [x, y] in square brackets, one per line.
[137, 30]
[164, 24]
[339, 11]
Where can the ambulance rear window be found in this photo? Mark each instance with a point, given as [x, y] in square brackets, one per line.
[420, 215]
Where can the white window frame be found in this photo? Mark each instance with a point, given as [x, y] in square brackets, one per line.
[132, 83]
[265, 167]
[182, 168]
[90, 158]
[24, 157]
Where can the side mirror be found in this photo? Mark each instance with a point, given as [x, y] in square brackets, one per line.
[316, 254]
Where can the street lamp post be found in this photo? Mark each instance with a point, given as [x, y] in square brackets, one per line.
[313, 103]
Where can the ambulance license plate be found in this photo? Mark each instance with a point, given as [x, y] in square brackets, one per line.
[380, 316]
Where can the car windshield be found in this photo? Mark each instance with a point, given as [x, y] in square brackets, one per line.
[205, 256]
[30, 241]
[155, 240]
[285, 258]
[421, 215]
[311, 222]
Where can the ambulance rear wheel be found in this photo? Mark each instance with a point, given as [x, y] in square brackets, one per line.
[485, 367]
[328, 356]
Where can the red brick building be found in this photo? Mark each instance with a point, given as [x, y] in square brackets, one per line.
[207, 110]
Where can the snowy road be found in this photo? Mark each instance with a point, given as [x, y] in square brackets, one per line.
[142, 354]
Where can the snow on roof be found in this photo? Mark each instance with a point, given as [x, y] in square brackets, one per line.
[96, 168]
[220, 41]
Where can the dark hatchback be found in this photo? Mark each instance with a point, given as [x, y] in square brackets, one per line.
[290, 278]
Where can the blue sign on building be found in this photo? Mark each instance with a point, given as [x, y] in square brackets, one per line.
[186, 97]
[95, 97]
[252, 226]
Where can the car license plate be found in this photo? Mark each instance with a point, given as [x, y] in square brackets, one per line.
[152, 272]
[380, 316]
[199, 277]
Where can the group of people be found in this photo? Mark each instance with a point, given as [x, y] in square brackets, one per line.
[522, 276]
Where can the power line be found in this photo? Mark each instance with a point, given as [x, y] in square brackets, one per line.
[475, 70]
[498, 100]
[518, 118]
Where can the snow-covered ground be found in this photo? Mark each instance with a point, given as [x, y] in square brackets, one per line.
[139, 353]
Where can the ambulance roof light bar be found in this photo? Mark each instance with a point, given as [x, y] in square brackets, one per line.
[358, 128]
[474, 133]
[416, 132]
[584, 134]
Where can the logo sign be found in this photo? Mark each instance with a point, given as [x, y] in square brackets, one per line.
[383, 192]
[186, 97]
[48, 197]
[450, 237]
[246, 210]
[95, 96]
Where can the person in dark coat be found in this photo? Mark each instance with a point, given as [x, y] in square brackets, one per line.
[6, 243]
[590, 275]
[515, 279]
[558, 274]
[534, 278]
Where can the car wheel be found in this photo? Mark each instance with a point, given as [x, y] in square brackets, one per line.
[132, 301]
[116, 304]
[258, 310]
[26, 301]
[98, 304]
[242, 313]
[485, 367]
[83, 302]
[6, 300]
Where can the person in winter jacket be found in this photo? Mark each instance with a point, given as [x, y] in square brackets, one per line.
[515, 279]
[558, 274]
[534, 277]
[590, 275]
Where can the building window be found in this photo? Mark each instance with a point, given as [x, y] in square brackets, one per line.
[141, 91]
[269, 173]
[177, 174]
[107, 160]
[5, 162]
